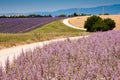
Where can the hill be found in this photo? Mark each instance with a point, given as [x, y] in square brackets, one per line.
[111, 9]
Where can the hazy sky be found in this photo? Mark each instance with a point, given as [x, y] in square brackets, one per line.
[7, 6]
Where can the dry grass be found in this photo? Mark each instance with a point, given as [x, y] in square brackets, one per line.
[79, 21]
[54, 30]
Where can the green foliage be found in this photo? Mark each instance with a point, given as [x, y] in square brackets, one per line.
[33, 15]
[95, 23]
[90, 22]
[3, 16]
[62, 15]
[106, 14]
[75, 14]
[99, 26]
[37, 15]
[26, 16]
[110, 23]
[83, 14]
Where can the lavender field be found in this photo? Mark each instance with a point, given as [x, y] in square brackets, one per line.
[22, 25]
[96, 57]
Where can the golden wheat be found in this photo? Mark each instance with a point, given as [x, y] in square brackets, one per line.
[79, 21]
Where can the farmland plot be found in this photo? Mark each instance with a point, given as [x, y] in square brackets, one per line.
[93, 58]
[22, 25]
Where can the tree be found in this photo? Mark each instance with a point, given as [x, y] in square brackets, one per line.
[3, 16]
[49, 15]
[83, 14]
[99, 26]
[91, 21]
[75, 14]
[110, 23]
[106, 14]
[62, 15]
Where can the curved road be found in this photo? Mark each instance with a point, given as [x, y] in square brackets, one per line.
[66, 22]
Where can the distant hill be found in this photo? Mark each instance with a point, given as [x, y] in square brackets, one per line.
[111, 9]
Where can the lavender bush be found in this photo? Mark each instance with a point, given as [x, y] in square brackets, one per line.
[93, 58]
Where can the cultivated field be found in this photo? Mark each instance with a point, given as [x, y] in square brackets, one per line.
[23, 25]
[89, 58]
[92, 58]
[50, 31]
[79, 21]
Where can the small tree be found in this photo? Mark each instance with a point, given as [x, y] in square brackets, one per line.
[75, 14]
[62, 15]
[83, 14]
[106, 14]
[3, 16]
[91, 21]
[49, 15]
[110, 23]
[99, 26]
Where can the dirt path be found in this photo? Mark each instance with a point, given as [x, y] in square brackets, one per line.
[16, 51]
[66, 22]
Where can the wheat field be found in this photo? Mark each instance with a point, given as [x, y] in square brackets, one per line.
[79, 21]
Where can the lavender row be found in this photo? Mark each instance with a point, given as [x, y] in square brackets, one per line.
[93, 58]
[22, 25]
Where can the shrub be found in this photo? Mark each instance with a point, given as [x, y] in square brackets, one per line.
[95, 23]
[62, 15]
[99, 26]
[75, 14]
[91, 21]
[110, 23]
[106, 14]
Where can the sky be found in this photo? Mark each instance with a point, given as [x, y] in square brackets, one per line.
[23, 6]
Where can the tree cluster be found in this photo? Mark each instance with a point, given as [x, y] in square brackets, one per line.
[25, 16]
[75, 14]
[96, 23]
